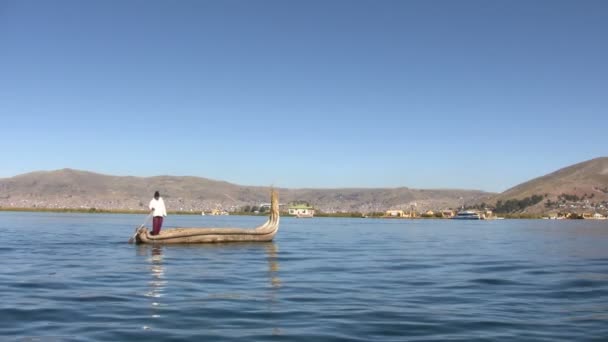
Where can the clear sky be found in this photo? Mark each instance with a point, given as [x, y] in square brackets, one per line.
[423, 94]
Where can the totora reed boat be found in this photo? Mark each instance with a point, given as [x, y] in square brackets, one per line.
[262, 233]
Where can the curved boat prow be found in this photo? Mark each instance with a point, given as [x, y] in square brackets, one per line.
[262, 233]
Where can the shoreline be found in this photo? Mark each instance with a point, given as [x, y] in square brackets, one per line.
[174, 212]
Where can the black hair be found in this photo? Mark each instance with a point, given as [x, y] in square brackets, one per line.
[156, 194]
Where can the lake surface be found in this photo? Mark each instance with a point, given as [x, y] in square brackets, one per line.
[74, 277]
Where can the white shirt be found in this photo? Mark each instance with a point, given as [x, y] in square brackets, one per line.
[159, 207]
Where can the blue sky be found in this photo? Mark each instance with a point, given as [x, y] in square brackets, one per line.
[423, 94]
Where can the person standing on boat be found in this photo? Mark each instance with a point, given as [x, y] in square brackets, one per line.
[158, 210]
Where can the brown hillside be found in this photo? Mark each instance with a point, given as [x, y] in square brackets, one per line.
[578, 179]
[68, 188]
[589, 179]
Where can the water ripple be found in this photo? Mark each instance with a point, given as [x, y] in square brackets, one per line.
[322, 279]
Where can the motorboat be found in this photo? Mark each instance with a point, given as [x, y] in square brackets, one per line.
[467, 215]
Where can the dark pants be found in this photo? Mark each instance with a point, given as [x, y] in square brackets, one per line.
[157, 223]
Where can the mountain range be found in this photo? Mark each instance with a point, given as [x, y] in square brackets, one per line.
[68, 188]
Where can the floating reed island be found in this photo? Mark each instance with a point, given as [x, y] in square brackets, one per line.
[262, 233]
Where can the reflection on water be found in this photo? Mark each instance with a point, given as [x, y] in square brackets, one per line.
[157, 282]
[273, 265]
[275, 281]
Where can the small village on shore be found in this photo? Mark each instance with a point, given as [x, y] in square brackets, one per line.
[578, 191]
[574, 208]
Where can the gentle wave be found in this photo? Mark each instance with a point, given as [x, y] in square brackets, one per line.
[74, 277]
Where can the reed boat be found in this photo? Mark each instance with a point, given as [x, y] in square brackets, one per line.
[262, 233]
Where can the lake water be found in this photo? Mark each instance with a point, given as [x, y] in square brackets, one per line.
[74, 277]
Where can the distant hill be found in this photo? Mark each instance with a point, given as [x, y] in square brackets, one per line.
[580, 187]
[582, 182]
[68, 188]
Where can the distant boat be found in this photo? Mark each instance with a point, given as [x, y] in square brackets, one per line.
[202, 213]
[304, 215]
[467, 215]
[301, 210]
